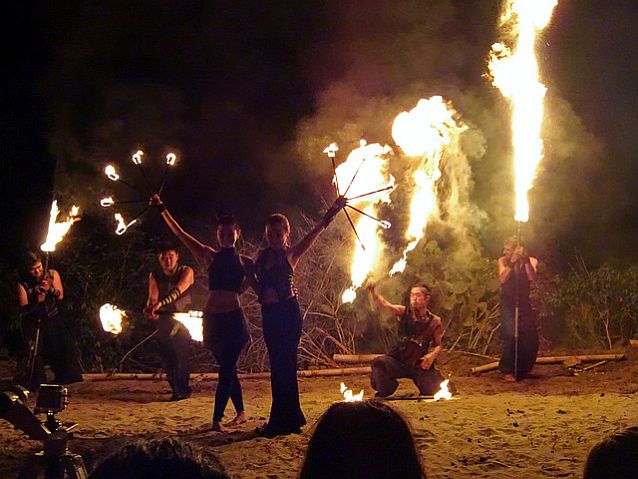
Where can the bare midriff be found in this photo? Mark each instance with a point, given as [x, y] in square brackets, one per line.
[222, 301]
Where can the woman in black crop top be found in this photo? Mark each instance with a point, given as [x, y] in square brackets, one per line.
[225, 332]
[281, 318]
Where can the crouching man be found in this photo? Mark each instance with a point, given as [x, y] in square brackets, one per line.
[418, 329]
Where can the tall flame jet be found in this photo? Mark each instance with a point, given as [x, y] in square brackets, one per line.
[423, 133]
[514, 71]
[369, 169]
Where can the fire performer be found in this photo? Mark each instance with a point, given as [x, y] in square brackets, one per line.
[40, 295]
[225, 330]
[516, 271]
[281, 317]
[418, 327]
[168, 293]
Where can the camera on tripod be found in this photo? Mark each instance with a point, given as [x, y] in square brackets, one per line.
[55, 460]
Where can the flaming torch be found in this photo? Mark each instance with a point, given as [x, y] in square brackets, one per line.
[423, 133]
[57, 231]
[365, 172]
[348, 395]
[111, 318]
[514, 71]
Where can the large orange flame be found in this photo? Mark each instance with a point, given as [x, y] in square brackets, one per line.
[514, 71]
[348, 395]
[111, 318]
[193, 322]
[370, 171]
[57, 231]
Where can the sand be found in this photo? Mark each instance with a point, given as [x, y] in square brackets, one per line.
[541, 427]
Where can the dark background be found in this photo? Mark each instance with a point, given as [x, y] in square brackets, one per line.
[248, 94]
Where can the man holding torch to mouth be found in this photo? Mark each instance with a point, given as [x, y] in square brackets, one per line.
[40, 294]
[516, 271]
[168, 293]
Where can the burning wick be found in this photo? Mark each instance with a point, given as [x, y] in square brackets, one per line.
[121, 224]
[111, 318]
[348, 396]
[106, 202]
[137, 157]
[111, 173]
[385, 224]
[444, 392]
[331, 150]
[170, 159]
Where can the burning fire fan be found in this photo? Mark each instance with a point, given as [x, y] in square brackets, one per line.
[111, 173]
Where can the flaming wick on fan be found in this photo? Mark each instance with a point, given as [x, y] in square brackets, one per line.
[111, 318]
[112, 175]
[170, 161]
[348, 395]
[108, 201]
[137, 159]
[122, 225]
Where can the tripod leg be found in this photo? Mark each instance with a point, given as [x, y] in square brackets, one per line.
[73, 466]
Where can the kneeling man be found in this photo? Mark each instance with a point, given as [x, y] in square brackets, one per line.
[418, 328]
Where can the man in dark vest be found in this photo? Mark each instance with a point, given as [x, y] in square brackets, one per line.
[40, 295]
[418, 329]
[516, 271]
[169, 292]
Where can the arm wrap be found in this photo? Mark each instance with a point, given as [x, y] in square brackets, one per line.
[172, 295]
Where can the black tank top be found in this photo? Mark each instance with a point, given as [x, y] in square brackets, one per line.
[167, 282]
[509, 289]
[226, 271]
[273, 271]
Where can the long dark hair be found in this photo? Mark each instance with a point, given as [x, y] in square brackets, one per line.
[362, 440]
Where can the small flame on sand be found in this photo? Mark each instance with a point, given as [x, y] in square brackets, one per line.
[111, 318]
[193, 322]
[57, 231]
[121, 224]
[137, 157]
[444, 392]
[111, 173]
[348, 395]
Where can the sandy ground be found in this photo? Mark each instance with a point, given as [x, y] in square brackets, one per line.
[541, 427]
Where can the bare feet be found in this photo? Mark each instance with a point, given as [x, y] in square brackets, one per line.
[217, 426]
[239, 419]
[509, 378]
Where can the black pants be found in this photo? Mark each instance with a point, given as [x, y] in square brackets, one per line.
[527, 341]
[174, 340]
[56, 349]
[387, 369]
[225, 334]
[282, 331]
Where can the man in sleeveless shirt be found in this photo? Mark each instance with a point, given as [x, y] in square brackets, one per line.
[411, 358]
[516, 271]
[168, 293]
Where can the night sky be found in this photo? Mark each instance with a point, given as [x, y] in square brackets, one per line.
[249, 93]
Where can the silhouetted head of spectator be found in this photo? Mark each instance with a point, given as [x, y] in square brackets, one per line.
[159, 459]
[614, 457]
[365, 439]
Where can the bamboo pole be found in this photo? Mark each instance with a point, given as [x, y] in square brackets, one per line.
[585, 358]
[308, 373]
[367, 358]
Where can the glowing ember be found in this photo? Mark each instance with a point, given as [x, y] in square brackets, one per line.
[106, 202]
[515, 73]
[111, 318]
[370, 170]
[443, 393]
[111, 173]
[57, 231]
[137, 157]
[349, 396]
[121, 224]
[193, 322]
[423, 133]
[170, 159]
